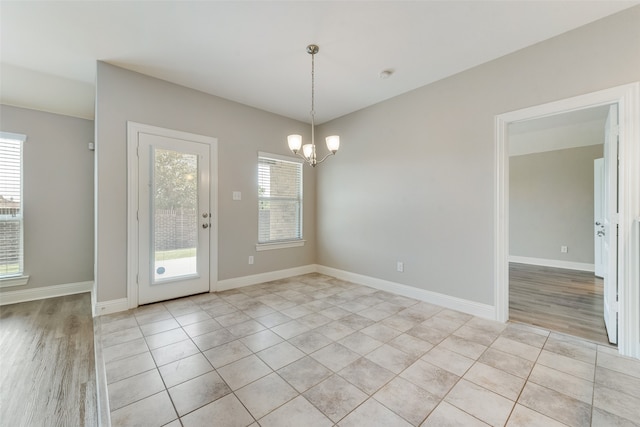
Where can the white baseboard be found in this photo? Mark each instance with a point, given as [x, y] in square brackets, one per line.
[239, 282]
[454, 303]
[111, 306]
[569, 265]
[23, 295]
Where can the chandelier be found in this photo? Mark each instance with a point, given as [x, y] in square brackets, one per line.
[295, 141]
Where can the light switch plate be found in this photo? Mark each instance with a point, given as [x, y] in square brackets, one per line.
[237, 195]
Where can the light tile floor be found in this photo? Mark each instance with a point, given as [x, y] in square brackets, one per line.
[317, 351]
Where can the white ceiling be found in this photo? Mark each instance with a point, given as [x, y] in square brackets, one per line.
[253, 52]
[571, 129]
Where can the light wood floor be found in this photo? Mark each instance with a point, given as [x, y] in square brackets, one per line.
[566, 301]
[47, 370]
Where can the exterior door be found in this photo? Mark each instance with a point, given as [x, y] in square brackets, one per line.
[598, 216]
[174, 217]
[610, 246]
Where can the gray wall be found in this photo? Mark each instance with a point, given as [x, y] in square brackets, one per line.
[241, 132]
[551, 204]
[414, 179]
[58, 195]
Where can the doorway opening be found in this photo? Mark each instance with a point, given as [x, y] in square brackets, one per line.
[552, 245]
[627, 301]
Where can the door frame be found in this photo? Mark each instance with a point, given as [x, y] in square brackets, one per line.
[133, 129]
[628, 99]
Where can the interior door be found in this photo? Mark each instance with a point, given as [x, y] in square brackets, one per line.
[173, 217]
[610, 246]
[598, 216]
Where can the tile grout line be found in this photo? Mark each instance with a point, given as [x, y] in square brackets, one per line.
[593, 392]
[166, 390]
[526, 380]
[369, 396]
[301, 394]
[462, 376]
[160, 374]
[398, 375]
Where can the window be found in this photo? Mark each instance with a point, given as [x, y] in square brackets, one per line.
[279, 201]
[11, 214]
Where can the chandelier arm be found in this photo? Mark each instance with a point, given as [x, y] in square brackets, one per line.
[325, 157]
[310, 161]
[300, 155]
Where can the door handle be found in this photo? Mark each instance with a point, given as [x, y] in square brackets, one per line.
[205, 225]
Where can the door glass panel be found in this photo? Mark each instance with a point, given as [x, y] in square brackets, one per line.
[175, 214]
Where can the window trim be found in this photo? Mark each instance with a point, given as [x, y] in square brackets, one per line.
[288, 243]
[19, 278]
[11, 281]
[280, 245]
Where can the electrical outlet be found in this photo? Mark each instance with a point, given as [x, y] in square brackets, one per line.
[564, 249]
[400, 266]
[251, 260]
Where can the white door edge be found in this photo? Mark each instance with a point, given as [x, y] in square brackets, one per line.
[628, 99]
[133, 129]
[611, 225]
[598, 220]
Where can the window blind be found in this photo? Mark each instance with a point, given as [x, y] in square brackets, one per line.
[11, 215]
[279, 199]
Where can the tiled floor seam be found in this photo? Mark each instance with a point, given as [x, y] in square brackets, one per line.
[371, 396]
[302, 393]
[255, 420]
[157, 367]
[460, 377]
[201, 351]
[163, 380]
[336, 373]
[166, 389]
[595, 373]
[443, 399]
[525, 384]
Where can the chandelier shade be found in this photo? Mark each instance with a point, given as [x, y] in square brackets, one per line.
[295, 141]
[333, 143]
